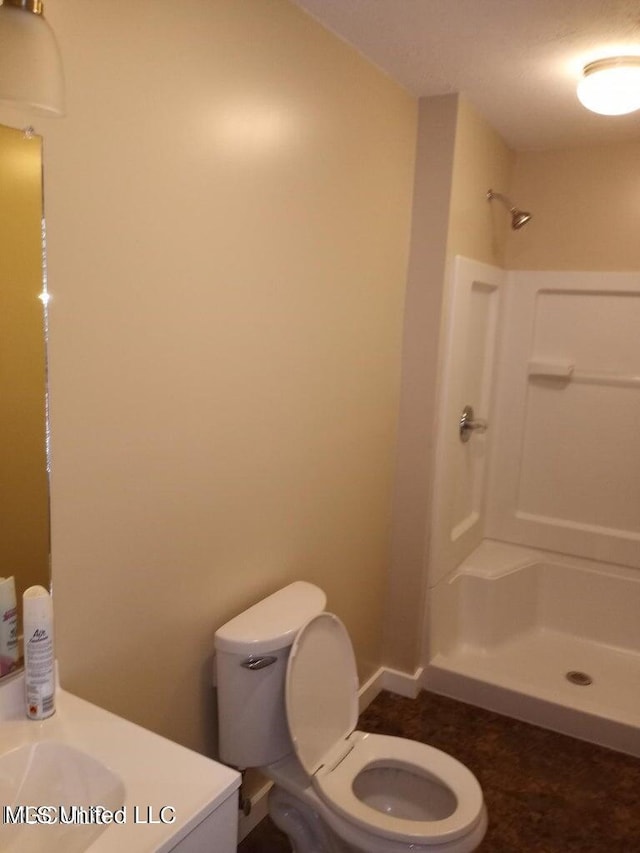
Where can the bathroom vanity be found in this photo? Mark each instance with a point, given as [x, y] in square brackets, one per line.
[87, 780]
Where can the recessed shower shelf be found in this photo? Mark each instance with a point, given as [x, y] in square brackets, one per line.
[566, 371]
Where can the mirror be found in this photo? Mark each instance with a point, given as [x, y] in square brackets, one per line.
[24, 485]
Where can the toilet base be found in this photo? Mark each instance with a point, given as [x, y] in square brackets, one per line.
[302, 825]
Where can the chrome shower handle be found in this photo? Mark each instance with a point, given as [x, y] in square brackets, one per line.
[469, 424]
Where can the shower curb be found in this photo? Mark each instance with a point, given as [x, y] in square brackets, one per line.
[577, 723]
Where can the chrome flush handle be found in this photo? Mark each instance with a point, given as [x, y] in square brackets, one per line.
[469, 424]
[258, 663]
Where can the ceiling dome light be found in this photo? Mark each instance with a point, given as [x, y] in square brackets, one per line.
[611, 87]
[30, 64]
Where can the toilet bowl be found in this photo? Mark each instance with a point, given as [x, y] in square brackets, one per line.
[315, 825]
[403, 791]
[379, 790]
[288, 703]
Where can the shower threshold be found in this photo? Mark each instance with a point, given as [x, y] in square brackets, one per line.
[526, 677]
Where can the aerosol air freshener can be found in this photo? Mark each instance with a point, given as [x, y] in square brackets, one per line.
[39, 658]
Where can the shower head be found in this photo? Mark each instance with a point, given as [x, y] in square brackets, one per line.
[518, 217]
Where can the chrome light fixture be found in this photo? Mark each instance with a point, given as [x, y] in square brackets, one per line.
[30, 63]
[518, 217]
[611, 86]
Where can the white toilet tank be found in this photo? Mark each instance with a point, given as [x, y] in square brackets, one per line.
[251, 663]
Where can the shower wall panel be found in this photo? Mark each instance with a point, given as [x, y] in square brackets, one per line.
[471, 322]
[565, 472]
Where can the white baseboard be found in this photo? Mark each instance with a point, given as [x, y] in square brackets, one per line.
[394, 680]
[383, 678]
[370, 689]
[402, 683]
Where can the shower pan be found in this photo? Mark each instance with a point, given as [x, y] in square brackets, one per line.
[534, 563]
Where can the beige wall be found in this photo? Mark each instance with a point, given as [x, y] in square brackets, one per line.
[228, 202]
[431, 203]
[585, 203]
[478, 228]
[459, 158]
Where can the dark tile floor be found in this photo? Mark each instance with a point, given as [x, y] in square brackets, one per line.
[545, 792]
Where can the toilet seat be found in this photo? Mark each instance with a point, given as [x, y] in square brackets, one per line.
[423, 764]
[321, 697]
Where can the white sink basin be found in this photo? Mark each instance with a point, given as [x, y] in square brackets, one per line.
[66, 783]
[162, 797]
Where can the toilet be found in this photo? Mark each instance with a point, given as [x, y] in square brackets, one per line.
[288, 704]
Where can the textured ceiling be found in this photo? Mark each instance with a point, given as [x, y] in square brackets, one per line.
[517, 61]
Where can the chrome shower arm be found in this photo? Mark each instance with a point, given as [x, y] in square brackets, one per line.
[503, 198]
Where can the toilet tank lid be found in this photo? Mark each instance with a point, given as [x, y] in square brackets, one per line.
[273, 622]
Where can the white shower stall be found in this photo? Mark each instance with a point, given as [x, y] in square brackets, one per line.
[534, 563]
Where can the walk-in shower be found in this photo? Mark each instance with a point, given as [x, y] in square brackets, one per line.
[534, 565]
